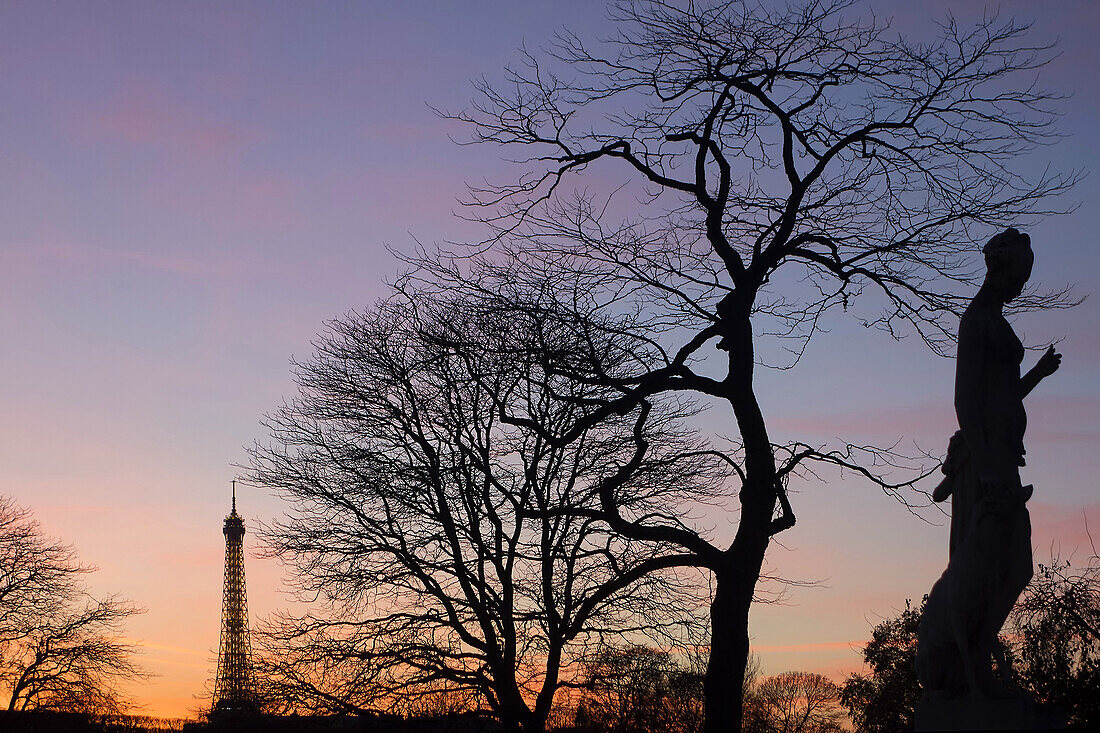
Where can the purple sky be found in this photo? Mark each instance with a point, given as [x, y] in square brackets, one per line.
[188, 190]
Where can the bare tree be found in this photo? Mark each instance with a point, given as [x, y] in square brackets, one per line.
[640, 688]
[60, 648]
[800, 702]
[304, 668]
[434, 536]
[785, 161]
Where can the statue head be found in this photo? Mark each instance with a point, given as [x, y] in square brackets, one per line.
[1008, 261]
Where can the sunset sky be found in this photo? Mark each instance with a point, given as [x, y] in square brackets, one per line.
[188, 190]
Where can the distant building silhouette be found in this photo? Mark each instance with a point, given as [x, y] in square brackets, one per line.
[233, 688]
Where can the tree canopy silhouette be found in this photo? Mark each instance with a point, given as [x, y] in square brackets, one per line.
[885, 699]
[450, 552]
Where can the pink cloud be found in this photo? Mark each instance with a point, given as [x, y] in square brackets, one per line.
[1064, 418]
[403, 132]
[1051, 417]
[835, 663]
[937, 418]
[824, 646]
[267, 202]
[1063, 531]
[1083, 345]
[85, 255]
[143, 119]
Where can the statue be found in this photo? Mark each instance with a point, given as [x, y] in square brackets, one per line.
[990, 547]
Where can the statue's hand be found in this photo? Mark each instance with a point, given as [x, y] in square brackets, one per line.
[1048, 363]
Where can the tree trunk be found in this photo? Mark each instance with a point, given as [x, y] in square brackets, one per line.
[735, 580]
[519, 719]
[534, 725]
[722, 710]
[723, 684]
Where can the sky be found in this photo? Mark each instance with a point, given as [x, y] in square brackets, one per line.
[188, 191]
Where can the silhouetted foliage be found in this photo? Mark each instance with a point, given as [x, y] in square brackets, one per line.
[453, 557]
[60, 648]
[1056, 639]
[1051, 638]
[781, 161]
[884, 699]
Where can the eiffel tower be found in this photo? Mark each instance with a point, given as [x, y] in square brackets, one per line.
[233, 687]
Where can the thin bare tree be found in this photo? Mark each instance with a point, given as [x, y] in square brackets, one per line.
[60, 648]
[640, 688]
[800, 702]
[433, 536]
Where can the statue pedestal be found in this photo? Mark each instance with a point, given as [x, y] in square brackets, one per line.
[935, 713]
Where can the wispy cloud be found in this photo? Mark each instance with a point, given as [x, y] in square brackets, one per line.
[1051, 417]
[144, 119]
[823, 646]
[166, 648]
[1064, 531]
[88, 255]
[1064, 418]
[909, 420]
